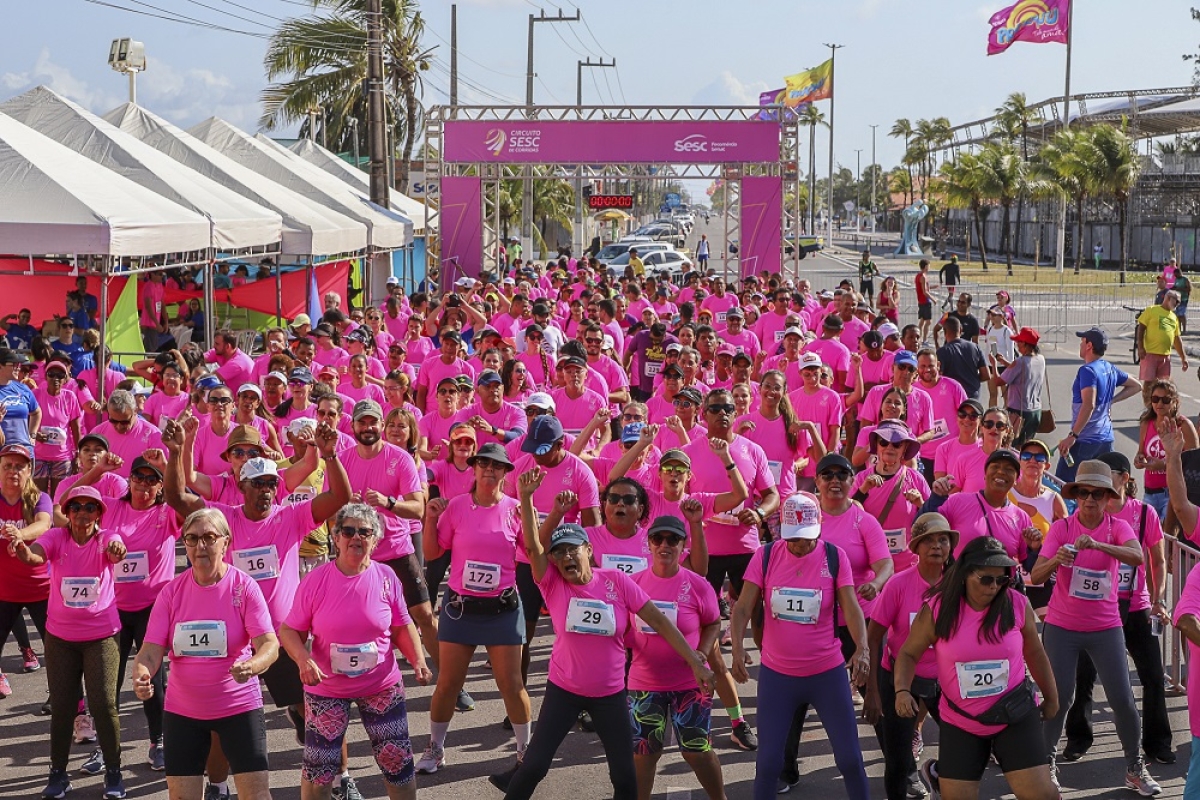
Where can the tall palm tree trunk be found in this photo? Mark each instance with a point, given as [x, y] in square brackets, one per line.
[1006, 241]
[1124, 259]
[1078, 233]
[982, 241]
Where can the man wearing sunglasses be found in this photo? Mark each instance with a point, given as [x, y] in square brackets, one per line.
[128, 434]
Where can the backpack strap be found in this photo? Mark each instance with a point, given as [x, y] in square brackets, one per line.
[834, 563]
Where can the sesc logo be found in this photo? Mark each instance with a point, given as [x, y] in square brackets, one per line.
[696, 143]
[494, 141]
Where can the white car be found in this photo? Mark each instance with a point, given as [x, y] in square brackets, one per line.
[668, 262]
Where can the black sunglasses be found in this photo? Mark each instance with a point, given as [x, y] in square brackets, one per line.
[721, 408]
[90, 508]
[622, 499]
[998, 580]
[993, 423]
[835, 474]
[1094, 494]
[671, 539]
[349, 531]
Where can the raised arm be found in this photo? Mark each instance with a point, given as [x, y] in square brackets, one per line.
[527, 484]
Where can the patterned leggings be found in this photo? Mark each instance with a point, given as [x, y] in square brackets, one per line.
[385, 719]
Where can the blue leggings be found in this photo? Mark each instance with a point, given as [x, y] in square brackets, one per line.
[779, 696]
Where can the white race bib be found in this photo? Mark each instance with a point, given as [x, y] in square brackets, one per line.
[1090, 584]
[721, 316]
[301, 494]
[353, 660]
[205, 638]
[897, 541]
[480, 576]
[79, 592]
[260, 563]
[796, 605]
[982, 678]
[594, 617]
[652, 368]
[778, 336]
[630, 565]
[54, 436]
[1125, 574]
[669, 610]
[940, 429]
[776, 468]
[135, 568]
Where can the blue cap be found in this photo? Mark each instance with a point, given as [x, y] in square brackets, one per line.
[544, 432]
[208, 382]
[1096, 335]
[631, 432]
[300, 375]
[568, 533]
[905, 357]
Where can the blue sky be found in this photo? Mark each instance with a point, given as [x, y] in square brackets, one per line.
[921, 58]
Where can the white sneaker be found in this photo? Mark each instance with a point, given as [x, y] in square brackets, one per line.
[1137, 778]
[433, 759]
[85, 729]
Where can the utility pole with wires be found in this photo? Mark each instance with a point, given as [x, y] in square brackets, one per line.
[453, 55]
[376, 114]
[833, 48]
[579, 76]
[874, 175]
[579, 238]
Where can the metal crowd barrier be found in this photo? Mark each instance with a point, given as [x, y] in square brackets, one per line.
[1181, 558]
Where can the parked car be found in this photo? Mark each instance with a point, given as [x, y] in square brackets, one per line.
[808, 244]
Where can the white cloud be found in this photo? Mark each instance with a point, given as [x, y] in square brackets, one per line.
[727, 89]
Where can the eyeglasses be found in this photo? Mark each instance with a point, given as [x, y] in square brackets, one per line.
[721, 408]
[1041, 458]
[1159, 399]
[240, 452]
[487, 463]
[671, 469]
[564, 550]
[590, 340]
[633, 417]
[1094, 494]
[208, 539]
[885, 443]
[220, 401]
[89, 507]
[968, 415]
[349, 531]
[905, 367]
[120, 423]
[144, 479]
[670, 539]
[465, 389]
[622, 499]
[993, 580]
[993, 423]
[835, 475]
[683, 402]
[444, 392]
[265, 483]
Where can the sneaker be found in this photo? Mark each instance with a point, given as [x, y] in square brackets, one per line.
[507, 723]
[85, 729]
[347, 789]
[297, 720]
[585, 722]
[31, 660]
[1137, 777]
[1073, 751]
[916, 790]
[724, 606]
[464, 702]
[1054, 775]
[1163, 756]
[743, 736]
[114, 786]
[501, 779]
[5, 688]
[783, 787]
[929, 775]
[213, 792]
[918, 745]
[58, 785]
[94, 764]
[433, 759]
[155, 756]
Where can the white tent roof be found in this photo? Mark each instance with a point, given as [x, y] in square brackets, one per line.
[387, 230]
[329, 161]
[57, 201]
[236, 222]
[308, 229]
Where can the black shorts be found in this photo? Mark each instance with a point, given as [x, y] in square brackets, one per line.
[963, 756]
[186, 742]
[925, 310]
[283, 681]
[732, 566]
[412, 579]
[531, 595]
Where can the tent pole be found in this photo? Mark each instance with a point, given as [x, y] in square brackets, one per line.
[103, 320]
[210, 303]
[279, 292]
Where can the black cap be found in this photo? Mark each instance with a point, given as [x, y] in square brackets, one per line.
[95, 437]
[1003, 454]
[1117, 462]
[667, 524]
[141, 463]
[834, 460]
[493, 451]
[833, 323]
[986, 552]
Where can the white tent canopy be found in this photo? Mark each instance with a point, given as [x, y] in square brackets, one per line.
[237, 223]
[387, 230]
[308, 229]
[58, 201]
[327, 160]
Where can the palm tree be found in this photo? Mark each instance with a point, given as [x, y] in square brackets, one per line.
[324, 59]
[553, 201]
[903, 128]
[963, 182]
[1003, 179]
[1014, 118]
[1111, 159]
[1058, 173]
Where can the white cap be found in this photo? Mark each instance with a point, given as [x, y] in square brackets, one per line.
[464, 282]
[251, 387]
[674, 347]
[608, 343]
[258, 468]
[794, 330]
[541, 400]
[888, 329]
[393, 281]
[810, 359]
[141, 390]
[800, 517]
[300, 424]
[510, 282]
[279, 376]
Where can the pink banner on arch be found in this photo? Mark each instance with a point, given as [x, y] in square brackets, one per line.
[761, 226]
[461, 211]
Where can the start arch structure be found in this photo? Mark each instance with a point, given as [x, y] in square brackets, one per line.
[473, 149]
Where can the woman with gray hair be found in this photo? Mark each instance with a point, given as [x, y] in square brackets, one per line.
[353, 611]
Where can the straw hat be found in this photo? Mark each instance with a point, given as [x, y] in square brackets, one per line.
[931, 524]
[1092, 474]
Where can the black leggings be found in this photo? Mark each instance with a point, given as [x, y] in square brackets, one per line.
[133, 632]
[435, 573]
[560, 712]
[96, 663]
[12, 620]
[896, 735]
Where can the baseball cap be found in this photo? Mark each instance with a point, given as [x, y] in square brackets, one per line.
[667, 524]
[544, 432]
[488, 376]
[142, 463]
[569, 534]
[673, 347]
[12, 357]
[726, 349]
[1003, 454]
[258, 468]
[735, 312]
[672, 369]
[328, 370]
[366, 408]
[834, 460]
[690, 393]
[793, 331]
[95, 437]
[541, 400]
[462, 430]
[208, 382]
[1117, 462]
[905, 357]
[1027, 336]
[300, 375]
[76, 491]
[742, 355]
[572, 361]
[810, 359]
[1096, 335]
[888, 329]
[301, 320]
[392, 281]
[57, 366]
[676, 455]
[800, 517]
[973, 404]
[631, 432]
[18, 449]
[833, 323]
[279, 376]
[250, 387]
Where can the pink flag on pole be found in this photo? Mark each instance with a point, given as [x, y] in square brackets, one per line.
[1037, 21]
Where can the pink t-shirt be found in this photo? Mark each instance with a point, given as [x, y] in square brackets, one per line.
[160, 407]
[110, 485]
[571, 474]
[950, 450]
[966, 648]
[1152, 446]
[450, 481]
[852, 331]
[966, 464]
[861, 538]
[771, 436]
[770, 328]
[83, 606]
[149, 564]
[269, 550]
[834, 354]
[690, 602]
[947, 396]
[369, 391]
[436, 428]
[798, 595]
[725, 534]
[662, 507]
[201, 686]
[590, 623]
[630, 556]
[720, 307]
[140, 437]
[483, 542]
[351, 618]
[505, 418]
[1189, 603]
[433, 369]
[208, 449]
[973, 517]
[920, 408]
[576, 413]
[391, 472]
[150, 303]
[57, 413]
[875, 373]
[895, 609]
[1085, 594]
[824, 408]
[1131, 581]
[898, 523]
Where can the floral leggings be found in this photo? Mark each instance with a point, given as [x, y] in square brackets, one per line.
[689, 712]
[385, 719]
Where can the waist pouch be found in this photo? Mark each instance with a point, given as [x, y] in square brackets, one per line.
[1008, 709]
[506, 601]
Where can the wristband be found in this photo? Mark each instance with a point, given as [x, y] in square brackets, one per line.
[391, 503]
[905, 691]
[330, 457]
[730, 467]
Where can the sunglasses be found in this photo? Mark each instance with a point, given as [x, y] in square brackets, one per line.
[674, 469]
[444, 392]
[1160, 400]
[721, 408]
[192, 539]
[220, 401]
[487, 463]
[991, 423]
[1041, 458]
[683, 402]
[89, 507]
[994, 580]
[240, 452]
[120, 423]
[622, 499]
[464, 389]
[144, 479]
[671, 539]
[835, 475]
[904, 367]
[1094, 494]
[633, 417]
[349, 531]
[968, 415]
[590, 340]
[265, 483]
[885, 443]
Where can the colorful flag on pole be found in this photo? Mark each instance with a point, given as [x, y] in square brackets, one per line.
[1037, 21]
[775, 97]
[809, 86]
[123, 334]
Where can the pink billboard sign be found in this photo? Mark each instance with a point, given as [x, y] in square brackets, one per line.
[606, 142]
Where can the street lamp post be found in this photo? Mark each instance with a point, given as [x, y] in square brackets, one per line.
[858, 191]
[874, 176]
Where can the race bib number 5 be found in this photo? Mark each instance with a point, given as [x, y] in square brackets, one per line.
[353, 660]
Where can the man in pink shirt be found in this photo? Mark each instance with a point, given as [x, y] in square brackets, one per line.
[327, 353]
[831, 350]
[719, 303]
[233, 366]
[773, 321]
[446, 363]
[127, 434]
[493, 418]
[153, 316]
[947, 395]
[736, 334]
[576, 404]
[920, 404]
[276, 343]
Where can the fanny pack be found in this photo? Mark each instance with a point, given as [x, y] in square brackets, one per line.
[491, 606]
[1010, 708]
